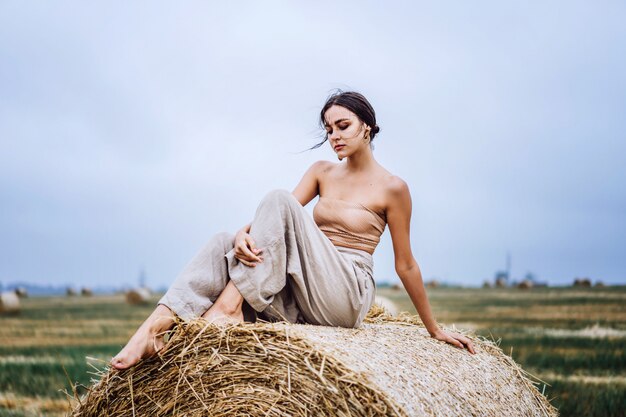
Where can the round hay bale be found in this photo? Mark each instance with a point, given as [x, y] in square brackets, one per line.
[9, 302]
[70, 292]
[501, 283]
[433, 284]
[138, 296]
[86, 292]
[525, 285]
[582, 282]
[21, 292]
[390, 366]
[386, 304]
[147, 289]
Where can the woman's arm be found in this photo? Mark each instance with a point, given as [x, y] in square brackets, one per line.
[398, 212]
[308, 187]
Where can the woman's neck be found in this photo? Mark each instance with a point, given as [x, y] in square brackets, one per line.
[361, 161]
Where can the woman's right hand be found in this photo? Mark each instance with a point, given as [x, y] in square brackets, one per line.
[245, 249]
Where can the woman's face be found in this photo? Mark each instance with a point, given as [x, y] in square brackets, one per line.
[345, 131]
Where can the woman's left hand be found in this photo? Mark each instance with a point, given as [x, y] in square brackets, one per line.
[455, 339]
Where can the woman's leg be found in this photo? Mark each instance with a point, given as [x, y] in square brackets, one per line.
[147, 340]
[303, 276]
[194, 291]
[202, 281]
[227, 308]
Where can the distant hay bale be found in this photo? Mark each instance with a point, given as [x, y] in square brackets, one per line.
[582, 282]
[21, 292]
[147, 289]
[600, 284]
[486, 284]
[386, 304]
[388, 367]
[9, 302]
[525, 285]
[86, 292]
[70, 292]
[138, 296]
[433, 284]
[501, 283]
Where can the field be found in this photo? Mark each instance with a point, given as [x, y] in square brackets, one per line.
[573, 339]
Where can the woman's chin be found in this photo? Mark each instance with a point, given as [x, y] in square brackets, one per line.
[341, 154]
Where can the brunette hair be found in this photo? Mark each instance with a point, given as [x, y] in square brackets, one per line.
[357, 104]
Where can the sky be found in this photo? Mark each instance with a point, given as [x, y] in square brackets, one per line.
[130, 133]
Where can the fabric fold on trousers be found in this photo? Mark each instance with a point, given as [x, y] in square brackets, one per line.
[304, 278]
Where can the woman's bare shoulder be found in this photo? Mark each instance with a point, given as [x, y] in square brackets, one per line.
[395, 186]
[322, 166]
[390, 181]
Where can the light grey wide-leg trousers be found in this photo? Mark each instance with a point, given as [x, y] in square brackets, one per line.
[303, 278]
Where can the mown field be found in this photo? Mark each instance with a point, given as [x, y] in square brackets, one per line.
[573, 339]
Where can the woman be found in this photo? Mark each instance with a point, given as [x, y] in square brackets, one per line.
[313, 270]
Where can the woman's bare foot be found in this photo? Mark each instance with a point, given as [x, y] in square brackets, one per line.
[147, 340]
[227, 307]
[220, 315]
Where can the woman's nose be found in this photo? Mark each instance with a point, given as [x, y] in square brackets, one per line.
[334, 136]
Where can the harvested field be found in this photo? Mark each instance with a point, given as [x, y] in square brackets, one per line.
[584, 374]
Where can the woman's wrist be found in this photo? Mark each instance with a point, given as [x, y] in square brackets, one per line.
[433, 330]
[245, 229]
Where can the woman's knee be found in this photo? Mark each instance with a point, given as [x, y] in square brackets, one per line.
[224, 239]
[279, 196]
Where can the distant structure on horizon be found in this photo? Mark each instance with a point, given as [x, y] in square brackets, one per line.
[502, 278]
[142, 277]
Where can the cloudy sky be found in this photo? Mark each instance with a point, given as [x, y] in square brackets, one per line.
[131, 133]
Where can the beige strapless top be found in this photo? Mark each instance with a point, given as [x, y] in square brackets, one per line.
[349, 224]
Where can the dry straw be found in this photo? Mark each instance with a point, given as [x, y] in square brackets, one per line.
[388, 367]
[386, 304]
